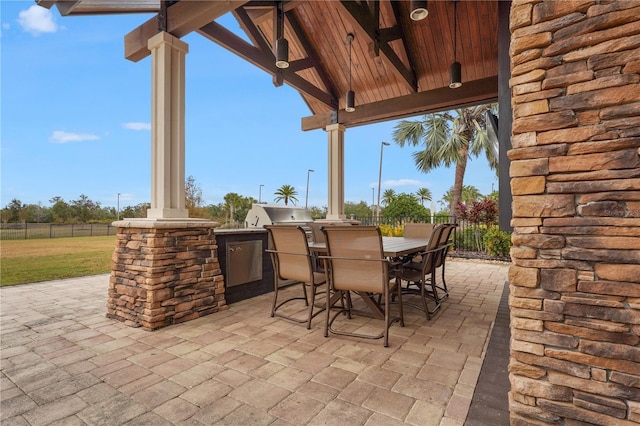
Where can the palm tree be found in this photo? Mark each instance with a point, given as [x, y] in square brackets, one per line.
[387, 196]
[286, 193]
[449, 138]
[469, 194]
[423, 194]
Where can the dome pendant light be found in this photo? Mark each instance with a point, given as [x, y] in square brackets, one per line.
[455, 70]
[350, 104]
[282, 45]
[418, 10]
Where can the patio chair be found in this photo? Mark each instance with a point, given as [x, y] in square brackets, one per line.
[355, 263]
[417, 230]
[316, 232]
[422, 274]
[445, 240]
[292, 260]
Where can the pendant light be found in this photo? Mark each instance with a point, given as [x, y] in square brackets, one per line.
[418, 10]
[282, 45]
[455, 70]
[351, 96]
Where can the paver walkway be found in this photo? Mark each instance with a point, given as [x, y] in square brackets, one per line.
[63, 362]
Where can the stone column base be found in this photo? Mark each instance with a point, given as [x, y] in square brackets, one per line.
[164, 272]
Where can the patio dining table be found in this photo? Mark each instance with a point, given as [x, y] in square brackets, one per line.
[393, 248]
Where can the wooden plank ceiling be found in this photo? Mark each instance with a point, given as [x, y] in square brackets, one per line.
[399, 67]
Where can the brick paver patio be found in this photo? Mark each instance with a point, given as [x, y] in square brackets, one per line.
[63, 362]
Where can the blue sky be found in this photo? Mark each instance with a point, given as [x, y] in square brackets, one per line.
[75, 120]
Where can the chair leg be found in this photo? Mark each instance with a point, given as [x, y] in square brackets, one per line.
[444, 284]
[311, 305]
[423, 295]
[275, 299]
[386, 316]
[399, 295]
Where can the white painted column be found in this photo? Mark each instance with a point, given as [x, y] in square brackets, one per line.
[335, 208]
[167, 127]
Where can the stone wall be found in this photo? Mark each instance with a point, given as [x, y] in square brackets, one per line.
[163, 274]
[575, 178]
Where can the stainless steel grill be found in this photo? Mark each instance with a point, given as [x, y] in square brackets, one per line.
[271, 214]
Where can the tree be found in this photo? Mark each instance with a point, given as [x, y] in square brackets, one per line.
[423, 194]
[449, 138]
[318, 213]
[286, 193]
[469, 194]
[83, 208]
[137, 211]
[387, 196]
[14, 211]
[361, 209]
[238, 206]
[193, 194]
[60, 210]
[406, 206]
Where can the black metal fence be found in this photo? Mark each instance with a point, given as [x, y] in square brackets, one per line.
[466, 236]
[24, 231]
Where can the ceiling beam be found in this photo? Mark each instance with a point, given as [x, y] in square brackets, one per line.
[182, 18]
[225, 38]
[475, 92]
[64, 7]
[362, 16]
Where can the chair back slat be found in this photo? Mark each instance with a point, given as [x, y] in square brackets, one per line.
[291, 258]
[356, 258]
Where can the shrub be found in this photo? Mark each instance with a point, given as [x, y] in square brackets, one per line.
[391, 231]
[497, 242]
[470, 238]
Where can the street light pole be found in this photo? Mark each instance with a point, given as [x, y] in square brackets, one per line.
[306, 199]
[260, 194]
[382, 145]
[373, 199]
[118, 208]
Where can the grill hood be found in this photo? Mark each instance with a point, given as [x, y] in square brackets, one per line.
[272, 214]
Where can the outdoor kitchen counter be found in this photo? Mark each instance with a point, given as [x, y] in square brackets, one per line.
[246, 266]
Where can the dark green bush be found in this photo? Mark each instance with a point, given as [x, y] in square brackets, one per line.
[497, 242]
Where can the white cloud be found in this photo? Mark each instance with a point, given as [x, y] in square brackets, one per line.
[402, 182]
[60, 136]
[6, 26]
[137, 126]
[36, 20]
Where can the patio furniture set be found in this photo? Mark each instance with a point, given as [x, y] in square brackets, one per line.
[341, 261]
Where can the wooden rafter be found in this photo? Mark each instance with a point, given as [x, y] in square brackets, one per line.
[362, 16]
[225, 38]
[312, 56]
[182, 18]
[474, 93]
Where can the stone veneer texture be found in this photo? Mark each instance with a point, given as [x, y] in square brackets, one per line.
[164, 276]
[575, 179]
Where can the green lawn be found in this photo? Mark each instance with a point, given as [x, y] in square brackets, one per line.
[30, 261]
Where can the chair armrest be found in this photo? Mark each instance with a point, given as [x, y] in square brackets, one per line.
[287, 252]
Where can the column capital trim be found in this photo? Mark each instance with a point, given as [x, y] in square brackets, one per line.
[166, 38]
[335, 126]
